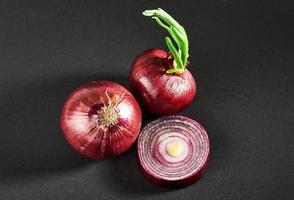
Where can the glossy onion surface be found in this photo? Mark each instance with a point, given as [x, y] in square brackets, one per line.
[101, 119]
[173, 151]
[161, 93]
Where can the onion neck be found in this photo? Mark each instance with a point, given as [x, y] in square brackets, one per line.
[178, 34]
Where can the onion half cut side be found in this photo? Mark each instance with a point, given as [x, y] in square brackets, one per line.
[173, 151]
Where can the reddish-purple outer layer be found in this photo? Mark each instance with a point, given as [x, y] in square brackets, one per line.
[161, 93]
[155, 170]
[79, 120]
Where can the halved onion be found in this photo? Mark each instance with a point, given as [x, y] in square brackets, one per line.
[173, 151]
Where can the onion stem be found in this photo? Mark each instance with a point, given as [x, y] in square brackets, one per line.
[178, 33]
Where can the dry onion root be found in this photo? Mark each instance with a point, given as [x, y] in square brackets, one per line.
[173, 151]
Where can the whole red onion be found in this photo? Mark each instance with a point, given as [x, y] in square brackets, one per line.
[160, 79]
[101, 119]
[173, 151]
[161, 93]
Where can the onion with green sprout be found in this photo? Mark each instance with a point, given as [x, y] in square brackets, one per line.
[161, 79]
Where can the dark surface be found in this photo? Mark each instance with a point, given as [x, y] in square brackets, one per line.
[241, 55]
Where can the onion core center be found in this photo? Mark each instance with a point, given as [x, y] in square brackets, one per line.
[172, 148]
[175, 148]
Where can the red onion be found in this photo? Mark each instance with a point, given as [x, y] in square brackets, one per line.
[101, 119]
[161, 93]
[173, 151]
[160, 79]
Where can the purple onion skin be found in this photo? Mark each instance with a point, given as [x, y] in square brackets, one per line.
[173, 184]
[161, 93]
[162, 182]
[80, 120]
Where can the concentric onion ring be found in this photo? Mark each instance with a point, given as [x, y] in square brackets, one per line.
[173, 151]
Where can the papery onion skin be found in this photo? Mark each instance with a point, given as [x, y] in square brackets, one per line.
[161, 93]
[101, 119]
[155, 169]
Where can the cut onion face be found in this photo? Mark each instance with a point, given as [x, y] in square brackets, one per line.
[173, 151]
[101, 119]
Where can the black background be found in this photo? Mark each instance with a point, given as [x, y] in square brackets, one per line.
[241, 54]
